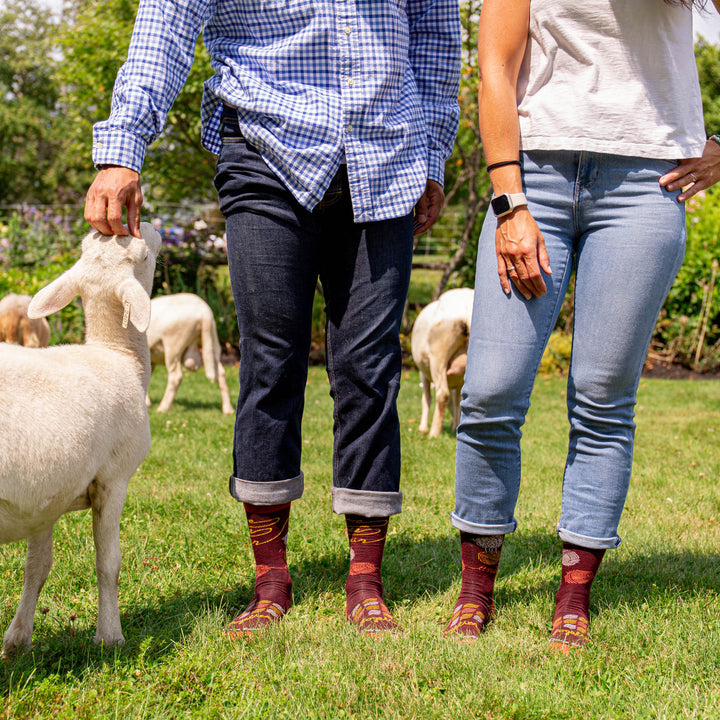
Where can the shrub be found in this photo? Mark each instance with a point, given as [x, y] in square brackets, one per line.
[688, 330]
[194, 259]
[556, 358]
[36, 245]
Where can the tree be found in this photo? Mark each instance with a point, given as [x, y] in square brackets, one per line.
[95, 44]
[35, 166]
[466, 181]
[707, 57]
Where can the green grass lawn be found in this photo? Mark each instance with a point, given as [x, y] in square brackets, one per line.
[187, 570]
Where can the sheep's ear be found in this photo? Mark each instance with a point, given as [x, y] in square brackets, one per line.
[136, 302]
[53, 297]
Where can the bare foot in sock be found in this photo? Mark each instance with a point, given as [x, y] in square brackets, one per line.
[268, 526]
[475, 606]
[364, 606]
[372, 616]
[258, 615]
[572, 603]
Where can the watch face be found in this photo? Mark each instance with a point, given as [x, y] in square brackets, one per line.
[501, 204]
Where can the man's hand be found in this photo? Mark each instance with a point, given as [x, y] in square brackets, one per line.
[113, 189]
[428, 207]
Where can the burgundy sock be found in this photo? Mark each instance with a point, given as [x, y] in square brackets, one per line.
[572, 601]
[480, 559]
[268, 525]
[364, 604]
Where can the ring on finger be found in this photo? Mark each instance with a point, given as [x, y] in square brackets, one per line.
[692, 176]
[510, 268]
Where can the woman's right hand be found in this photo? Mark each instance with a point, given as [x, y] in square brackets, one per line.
[521, 254]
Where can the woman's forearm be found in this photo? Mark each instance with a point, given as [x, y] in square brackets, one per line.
[502, 38]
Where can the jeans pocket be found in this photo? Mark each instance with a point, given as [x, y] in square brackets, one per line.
[331, 197]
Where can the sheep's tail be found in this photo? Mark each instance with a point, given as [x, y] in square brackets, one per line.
[210, 347]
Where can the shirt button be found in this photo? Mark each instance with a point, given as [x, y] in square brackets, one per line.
[348, 30]
[351, 81]
[349, 128]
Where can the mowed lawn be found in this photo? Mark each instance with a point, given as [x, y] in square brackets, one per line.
[187, 570]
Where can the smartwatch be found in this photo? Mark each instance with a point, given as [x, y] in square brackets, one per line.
[507, 202]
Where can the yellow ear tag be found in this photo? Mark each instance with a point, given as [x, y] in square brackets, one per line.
[126, 314]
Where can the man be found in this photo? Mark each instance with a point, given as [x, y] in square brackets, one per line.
[332, 120]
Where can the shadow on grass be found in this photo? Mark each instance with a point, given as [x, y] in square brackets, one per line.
[412, 571]
[210, 402]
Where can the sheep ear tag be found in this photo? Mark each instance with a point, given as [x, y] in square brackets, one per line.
[53, 297]
[136, 305]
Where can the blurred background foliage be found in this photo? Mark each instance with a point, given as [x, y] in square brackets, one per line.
[56, 80]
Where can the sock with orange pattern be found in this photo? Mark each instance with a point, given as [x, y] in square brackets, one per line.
[364, 605]
[480, 558]
[572, 601]
[268, 525]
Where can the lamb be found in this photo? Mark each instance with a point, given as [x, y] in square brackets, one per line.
[73, 422]
[17, 328]
[182, 332]
[439, 348]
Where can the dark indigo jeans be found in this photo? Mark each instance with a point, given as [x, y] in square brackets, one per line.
[277, 250]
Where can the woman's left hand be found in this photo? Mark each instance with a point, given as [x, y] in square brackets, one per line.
[695, 174]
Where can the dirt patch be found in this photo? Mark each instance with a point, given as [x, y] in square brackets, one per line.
[677, 372]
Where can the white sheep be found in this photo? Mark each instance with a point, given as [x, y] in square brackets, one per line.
[182, 332]
[17, 328]
[439, 348]
[73, 422]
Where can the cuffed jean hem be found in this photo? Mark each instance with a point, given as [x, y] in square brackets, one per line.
[475, 529]
[267, 493]
[586, 541]
[368, 503]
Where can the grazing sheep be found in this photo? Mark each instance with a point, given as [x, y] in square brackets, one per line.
[182, 332]
[17, 328]
[439, 348]
[73, 421]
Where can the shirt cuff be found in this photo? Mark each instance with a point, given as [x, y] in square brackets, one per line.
[436, 166]
[118, 147]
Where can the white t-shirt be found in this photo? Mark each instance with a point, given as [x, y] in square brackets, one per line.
[611, 76]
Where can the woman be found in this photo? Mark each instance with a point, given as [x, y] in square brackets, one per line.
[592, 125]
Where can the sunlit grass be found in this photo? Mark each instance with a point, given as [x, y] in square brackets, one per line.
[187, 570]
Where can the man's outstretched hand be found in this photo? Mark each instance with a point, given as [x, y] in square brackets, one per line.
[113, 189]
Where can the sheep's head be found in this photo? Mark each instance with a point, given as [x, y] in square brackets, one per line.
[119, 265]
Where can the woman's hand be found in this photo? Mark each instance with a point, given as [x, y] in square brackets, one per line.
[521, 254]
[695, 174]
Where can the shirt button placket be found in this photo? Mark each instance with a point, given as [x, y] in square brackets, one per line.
[345, 21]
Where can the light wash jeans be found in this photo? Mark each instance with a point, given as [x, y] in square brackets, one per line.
[607, 218]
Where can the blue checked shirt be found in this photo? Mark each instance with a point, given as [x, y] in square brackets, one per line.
[372, 83]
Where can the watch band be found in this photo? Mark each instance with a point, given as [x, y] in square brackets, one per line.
[506, 202]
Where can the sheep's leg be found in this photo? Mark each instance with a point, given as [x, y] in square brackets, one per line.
[107, 503]
[175, 377]
[227, 407]
[37, 566]
[425, 411]
[442, 393]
